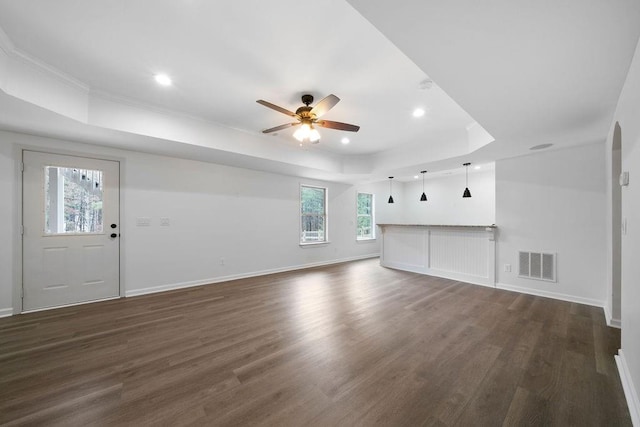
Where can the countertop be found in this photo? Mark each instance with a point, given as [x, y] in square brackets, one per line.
[439, 225]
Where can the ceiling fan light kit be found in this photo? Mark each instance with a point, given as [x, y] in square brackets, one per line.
[308, 116]
[307, 132]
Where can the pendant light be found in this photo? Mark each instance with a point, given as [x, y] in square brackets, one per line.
[466, 193]
[390, 192]
[423, 198]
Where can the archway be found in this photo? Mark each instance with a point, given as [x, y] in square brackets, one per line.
[616, 225]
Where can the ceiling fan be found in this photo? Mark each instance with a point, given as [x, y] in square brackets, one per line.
[308, 117]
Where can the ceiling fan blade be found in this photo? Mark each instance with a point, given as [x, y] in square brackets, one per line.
[337, 125]
[275, 107]
[325, 105]
[277, 128]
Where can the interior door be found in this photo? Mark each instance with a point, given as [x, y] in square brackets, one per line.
[71, 237]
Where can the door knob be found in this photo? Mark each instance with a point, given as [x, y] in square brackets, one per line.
[114, 235]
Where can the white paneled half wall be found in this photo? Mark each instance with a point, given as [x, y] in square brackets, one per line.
[465, 253]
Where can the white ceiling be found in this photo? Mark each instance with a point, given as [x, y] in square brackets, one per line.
[527, 73]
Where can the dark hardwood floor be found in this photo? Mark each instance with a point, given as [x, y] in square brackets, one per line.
[349, 344]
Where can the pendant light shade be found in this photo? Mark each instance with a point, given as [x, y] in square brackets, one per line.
[390, 192]
[423, 198]
[466, 193]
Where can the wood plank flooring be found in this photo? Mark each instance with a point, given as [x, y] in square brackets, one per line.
[349, 344]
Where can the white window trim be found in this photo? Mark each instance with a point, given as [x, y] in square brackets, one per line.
[326, 216]
[373, 217]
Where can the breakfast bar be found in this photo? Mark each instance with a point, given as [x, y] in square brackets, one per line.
[459, 252]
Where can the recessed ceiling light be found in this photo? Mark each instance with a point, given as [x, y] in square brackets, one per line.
[416, 176]
[418, 112]
[163, 80]
[540, 147]
[477, 167]
[345, 140]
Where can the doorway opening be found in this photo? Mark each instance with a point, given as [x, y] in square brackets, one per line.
[616, 227]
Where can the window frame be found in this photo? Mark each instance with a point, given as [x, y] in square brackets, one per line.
[50, 230]
[325, 216]
[372, 215]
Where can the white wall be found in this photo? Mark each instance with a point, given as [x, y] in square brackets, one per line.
[445, 204]
[247, 217]
[628, 116]
[554, 201]
[390, 213]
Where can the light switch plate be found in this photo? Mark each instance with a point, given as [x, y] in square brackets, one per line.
[143, 221]
[624, 179]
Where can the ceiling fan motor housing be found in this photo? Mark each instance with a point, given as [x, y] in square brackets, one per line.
[304, 112]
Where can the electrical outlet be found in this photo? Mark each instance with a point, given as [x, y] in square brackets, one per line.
[507, 268]
[164, 221]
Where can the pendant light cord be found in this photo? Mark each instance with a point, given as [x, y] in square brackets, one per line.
[466, 171]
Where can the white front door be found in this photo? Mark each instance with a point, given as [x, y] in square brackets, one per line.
[71, 220]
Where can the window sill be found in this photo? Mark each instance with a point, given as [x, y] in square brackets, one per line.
[371, 239]
[314, 244]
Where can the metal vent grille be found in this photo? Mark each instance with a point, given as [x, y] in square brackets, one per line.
[524, 264]
[549, 267]
[537, 265]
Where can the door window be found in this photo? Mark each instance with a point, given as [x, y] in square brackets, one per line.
[73, 200]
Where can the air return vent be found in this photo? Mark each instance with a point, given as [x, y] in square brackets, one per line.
[537, 265]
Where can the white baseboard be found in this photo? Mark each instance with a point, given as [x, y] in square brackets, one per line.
[461, 277]
[36, 310]
[6, 312]
[553, 295]
[420, 269]
[611, 322]
[190, 284]
[452, 275]
[629, 390]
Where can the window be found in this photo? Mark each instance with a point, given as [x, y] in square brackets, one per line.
[313, 214]
[73, 200]
[366, 224]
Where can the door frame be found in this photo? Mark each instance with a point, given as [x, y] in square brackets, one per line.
[19, 149]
